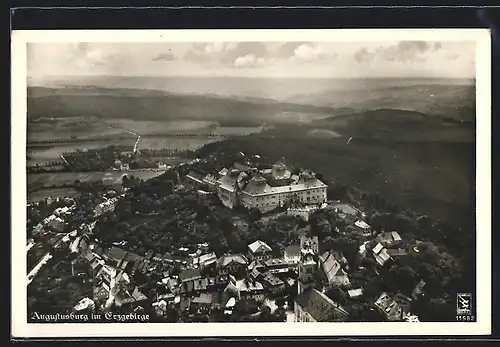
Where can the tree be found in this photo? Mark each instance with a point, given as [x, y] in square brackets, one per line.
[255, 215]
[336, 294]
[402, 278]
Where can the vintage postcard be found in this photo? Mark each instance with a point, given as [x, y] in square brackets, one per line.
[251, 183]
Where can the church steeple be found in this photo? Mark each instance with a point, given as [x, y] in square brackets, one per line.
[307, 267]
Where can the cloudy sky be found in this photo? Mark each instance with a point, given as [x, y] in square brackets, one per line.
[255, 59]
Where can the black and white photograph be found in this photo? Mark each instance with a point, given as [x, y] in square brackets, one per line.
[252, 177]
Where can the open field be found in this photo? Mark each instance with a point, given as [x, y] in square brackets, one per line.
[144, 127]
[40, 180]
[175, 142]
[51, 128]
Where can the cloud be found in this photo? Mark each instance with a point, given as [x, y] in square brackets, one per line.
[364, 55]
[164, 57]
[452, 56]
[287, 50]
[249, 60]
[219, 47]
[195, 57]
[310, 53]
[87, 55]
[198, 46]
[410, 51]
[402, 52]
[437, 46]
[242, 49]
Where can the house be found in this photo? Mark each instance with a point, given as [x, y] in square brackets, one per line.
[171, 284]
[259, 250]
[380, 254]
[86, 304]
[355, 293]
[333, 270]
[256, 265]
[309, 243]
[124, 260]
[205, 261]
[396, 252]
[347, 212]
[276, 265]
[303, 212]
[411, 318]
[127, 298]
[362, 227]
[389, 238]
[200, 285]
[391, 309]
[203, 302]
[313, 306]
[188, 278]
[231, 302]
[55, 223]
[291, 255]
[272, 284]
[231, 264]
[245, 289]
[255, 274]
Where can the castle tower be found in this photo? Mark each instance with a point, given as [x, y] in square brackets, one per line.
[307, 268]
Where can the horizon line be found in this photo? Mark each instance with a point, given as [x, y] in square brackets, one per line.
[256, 77]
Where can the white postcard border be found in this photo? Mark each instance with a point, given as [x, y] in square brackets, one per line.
[20, 327]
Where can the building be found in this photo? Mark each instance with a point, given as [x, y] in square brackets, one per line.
[243, 186]
[390, 308]
[333, 270]
[396, 252]
[389, 238]
[245, 289]
[272, 284]
[55, 223]
[103, 207]
[362, 227]
[205, 261]
[313, 306]
[307, 270]
[380, 254]
[276, 265]
[231, 264]
[355, 293]
[86, 304]
[303, 212]
[188, 278]
[260, 251]
[291, 255]
[310, 242]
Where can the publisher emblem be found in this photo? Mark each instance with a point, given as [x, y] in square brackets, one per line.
[464, 303]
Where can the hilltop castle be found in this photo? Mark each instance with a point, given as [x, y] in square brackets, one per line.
[267, 189]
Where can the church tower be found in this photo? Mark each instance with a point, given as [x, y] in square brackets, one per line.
[307, 268]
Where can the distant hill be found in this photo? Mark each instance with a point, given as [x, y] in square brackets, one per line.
[445, 100]
[395, 124]
[157, 105]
